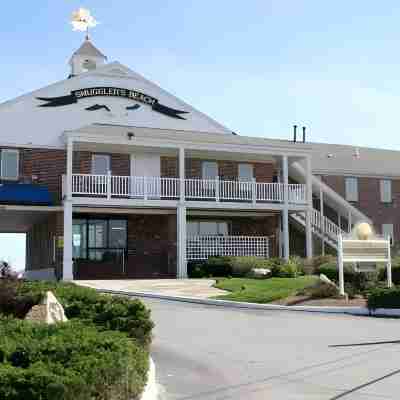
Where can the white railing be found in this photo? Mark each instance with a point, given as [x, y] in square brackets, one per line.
[322, 225]
[195, 189]
[203, 247]
[200, 188]
[270, 192]
[125, 186]
[297, 193]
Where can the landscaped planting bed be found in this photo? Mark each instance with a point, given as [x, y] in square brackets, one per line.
[101, 353]
[263, 290]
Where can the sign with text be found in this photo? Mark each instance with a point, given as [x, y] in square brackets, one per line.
[130, 94]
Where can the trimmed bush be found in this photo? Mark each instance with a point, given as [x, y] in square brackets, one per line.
[384, 298]
[287, 269]
[395, 274]
[356, 282]
[105, 311]
[69, 361]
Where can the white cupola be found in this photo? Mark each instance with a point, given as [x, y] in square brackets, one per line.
[86, 58]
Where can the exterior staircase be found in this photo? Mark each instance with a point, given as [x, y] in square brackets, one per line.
[321, 226]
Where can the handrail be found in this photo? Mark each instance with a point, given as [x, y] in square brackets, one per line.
[194, 189]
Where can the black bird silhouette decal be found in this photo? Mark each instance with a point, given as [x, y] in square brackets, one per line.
[134, 107]
[97, 107]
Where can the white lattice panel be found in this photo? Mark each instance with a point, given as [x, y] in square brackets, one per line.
[203, 247]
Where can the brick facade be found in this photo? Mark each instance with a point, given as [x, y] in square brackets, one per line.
[369, 200]
[227, 170]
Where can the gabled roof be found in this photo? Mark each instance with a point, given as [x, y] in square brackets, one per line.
[26, 121]
[88, 49]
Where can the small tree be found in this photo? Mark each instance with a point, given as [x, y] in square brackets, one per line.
[6, 270]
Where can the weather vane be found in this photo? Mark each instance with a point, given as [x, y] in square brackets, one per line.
[82, 20]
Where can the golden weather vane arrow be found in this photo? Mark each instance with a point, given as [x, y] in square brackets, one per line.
[82, 20]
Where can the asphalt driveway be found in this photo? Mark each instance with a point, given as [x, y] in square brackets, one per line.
[208, 352]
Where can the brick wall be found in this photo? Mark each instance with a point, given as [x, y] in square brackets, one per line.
[227, 170]
[370, 203]
[46, 167]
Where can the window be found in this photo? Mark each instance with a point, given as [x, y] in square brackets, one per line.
[100, 164]
[209, 169]
[351, 186]
[387, 230]
[207, 228]
[79, 230]
[245, 172]
[386, 190]
[97, 239]
[9, 167]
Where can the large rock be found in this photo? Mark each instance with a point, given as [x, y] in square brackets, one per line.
[49, 311]
[260, 272]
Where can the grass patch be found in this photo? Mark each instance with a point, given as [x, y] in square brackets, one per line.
[262, 290]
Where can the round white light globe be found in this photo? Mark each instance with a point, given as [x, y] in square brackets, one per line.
[363, 231]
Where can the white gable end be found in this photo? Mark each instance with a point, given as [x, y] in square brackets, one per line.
[25, 122]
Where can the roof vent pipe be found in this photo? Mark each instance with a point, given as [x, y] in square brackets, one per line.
[304, 134]
[294, 133]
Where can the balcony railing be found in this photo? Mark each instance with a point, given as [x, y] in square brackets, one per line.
[203, 247]
[139, 187]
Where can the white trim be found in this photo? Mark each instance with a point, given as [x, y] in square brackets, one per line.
[152, 203]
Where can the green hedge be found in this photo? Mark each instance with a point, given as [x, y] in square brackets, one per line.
[68, 361]
[355, 282]
[242, 266]
[87, 305]
[384, 298]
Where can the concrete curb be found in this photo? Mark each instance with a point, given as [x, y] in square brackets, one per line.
[150, 391]
[361, 311]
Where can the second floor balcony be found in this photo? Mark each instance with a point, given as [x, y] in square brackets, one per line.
[160, 188]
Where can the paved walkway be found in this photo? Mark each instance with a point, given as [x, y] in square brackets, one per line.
[197, 288]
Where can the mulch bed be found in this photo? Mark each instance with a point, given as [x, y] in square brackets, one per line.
[328, 302]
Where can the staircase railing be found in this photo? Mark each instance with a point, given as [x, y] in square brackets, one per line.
[321, 225]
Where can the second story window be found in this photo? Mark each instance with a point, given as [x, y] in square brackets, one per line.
[351, 187]
[9, 164]
[386, 190]
[209, 169]
[245, 172]
[101, 164]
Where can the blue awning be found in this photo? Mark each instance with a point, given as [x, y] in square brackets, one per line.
[25, 194]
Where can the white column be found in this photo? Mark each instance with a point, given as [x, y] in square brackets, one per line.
[349, 222]
[285, 211]
[181, 239]
[389, 267]
[309, 251]
[182, 173]
[340, 266]
[321, 207]
[67, 248]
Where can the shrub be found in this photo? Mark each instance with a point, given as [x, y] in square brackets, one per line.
[218, 266]
[358, 282]
[13, 303]
[105, 311]
[241, 266]
[384, 298]
[69, 361]
[395, 274]
[287, 269]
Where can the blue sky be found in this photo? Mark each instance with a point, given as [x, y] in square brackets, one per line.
[255, 66]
